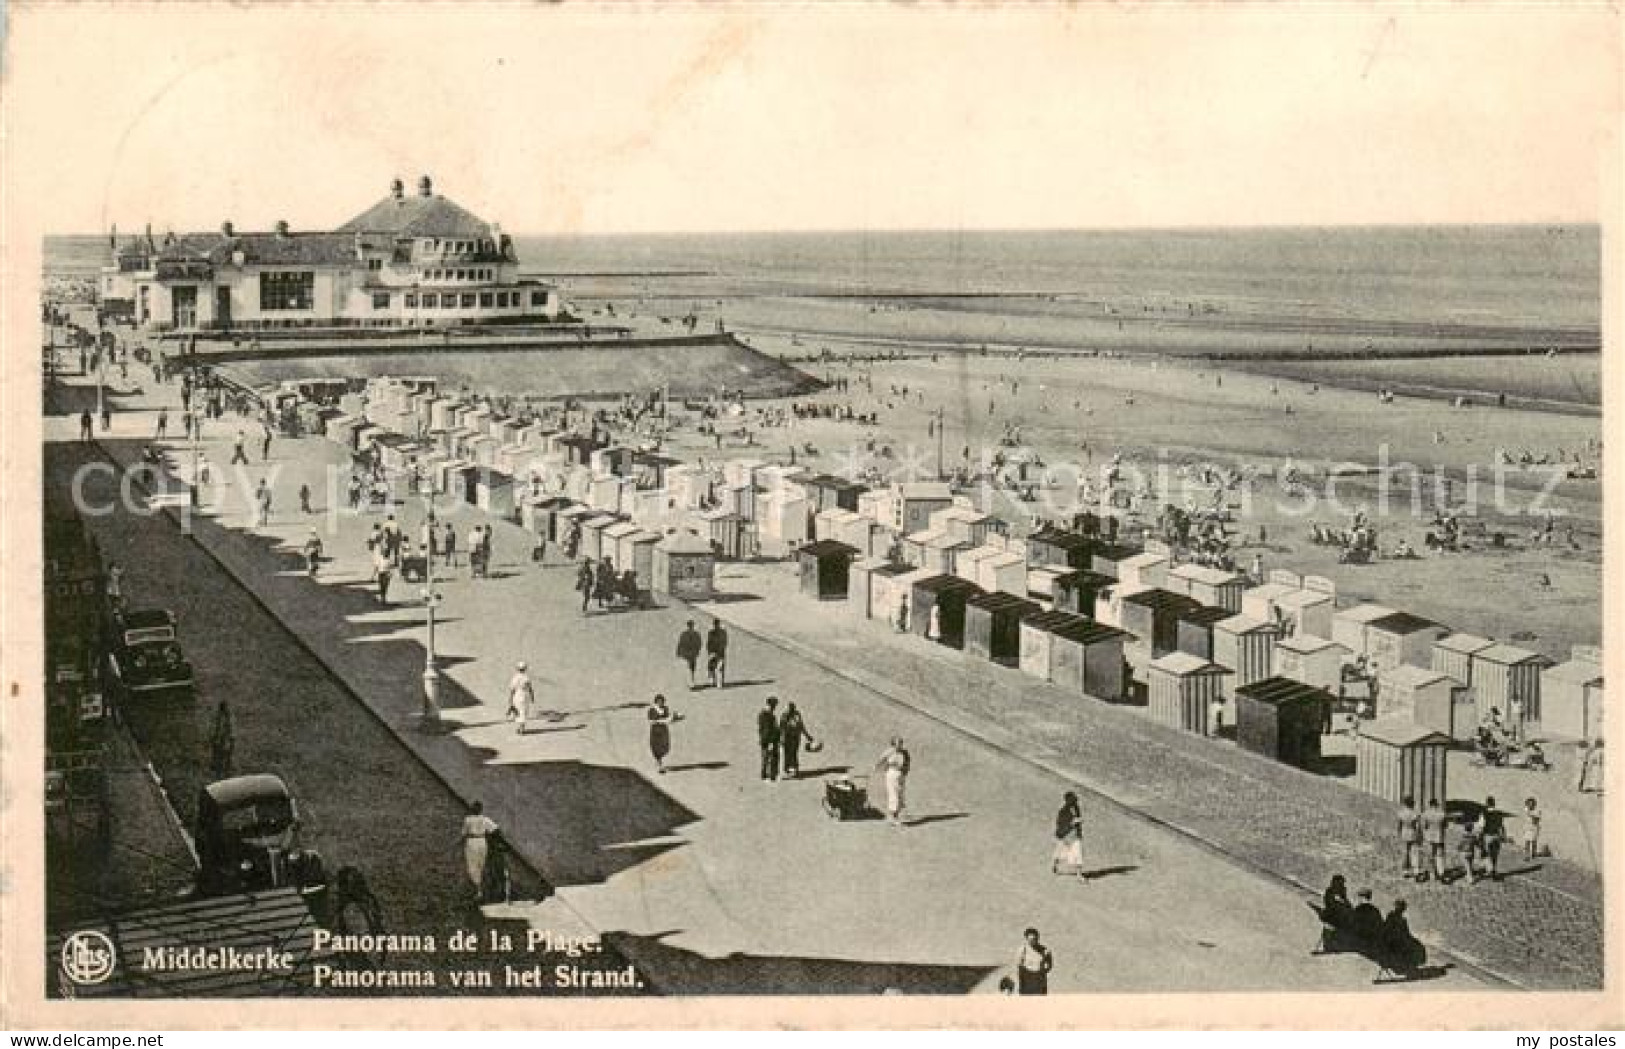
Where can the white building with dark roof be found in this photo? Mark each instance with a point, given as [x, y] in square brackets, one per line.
[418, 261]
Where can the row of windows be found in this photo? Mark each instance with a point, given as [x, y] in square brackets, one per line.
[460, 247]
[475, 274]
[430, 300]
[287, 291]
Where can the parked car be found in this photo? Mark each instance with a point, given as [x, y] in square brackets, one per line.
[146, 655]
[247, 837]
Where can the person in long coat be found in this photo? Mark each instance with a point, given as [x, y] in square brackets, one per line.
[660, 721]
[584, 583]
[1068, 858]
[792, 730]
[689, 646]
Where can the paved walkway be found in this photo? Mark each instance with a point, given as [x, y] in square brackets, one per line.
[709, 878]
[1540, 927]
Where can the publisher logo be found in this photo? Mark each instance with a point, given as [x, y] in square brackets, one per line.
[88, 958]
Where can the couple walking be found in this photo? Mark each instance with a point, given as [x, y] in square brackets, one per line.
[780, 737]
[715, 646]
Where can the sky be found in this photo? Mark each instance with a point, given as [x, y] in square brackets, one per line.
[570, 119]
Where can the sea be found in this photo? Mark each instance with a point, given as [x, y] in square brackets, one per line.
[1536, 277]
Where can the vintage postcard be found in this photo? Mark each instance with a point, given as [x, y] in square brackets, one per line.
[736, 515]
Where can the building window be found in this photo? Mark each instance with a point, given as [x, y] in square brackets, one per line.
[411, 301]
[431, 301]
[380, 300]
[468, 299]
[287, 291]
[486, 300]
[375, 265]
[538, 298]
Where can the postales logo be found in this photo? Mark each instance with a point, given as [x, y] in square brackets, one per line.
[88, 957]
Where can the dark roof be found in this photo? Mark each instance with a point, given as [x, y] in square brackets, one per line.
[1089, 632]
[893, 568]
[1055, 621]
[1063, 539]
[146, 618]
[1402, 623]
[1280, 691]
[831, 481]
[1205, 615]
[264, 249]
[1083, 579]
[947, 584]
[999, 601]
[828, 548]
[418, 216]
[243, 788]
[1159, 600]
[1116, 551]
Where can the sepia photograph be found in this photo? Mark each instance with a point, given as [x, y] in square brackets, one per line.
[747, 503]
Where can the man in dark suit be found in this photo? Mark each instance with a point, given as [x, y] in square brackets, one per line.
[767, 736]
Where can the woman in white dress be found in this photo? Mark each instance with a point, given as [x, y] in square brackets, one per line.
[893, 768]
[1068, 858]
[477, 828]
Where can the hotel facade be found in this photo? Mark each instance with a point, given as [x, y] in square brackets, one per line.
[418, 261]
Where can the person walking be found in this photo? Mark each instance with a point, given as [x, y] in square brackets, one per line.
[1409, 823]
[304, 499]
[476, 543]
[222, 742]
[767, 738]
[1531, 829]
[660, 721]
[893, 769]
[1493, 832]
[603, 586]
[107, 416]
[689, 646]
[265, 442]
[86, 426]
[162, 427]
[584, 583]
[477, 830]
[262, 503]
[521, 695]
[1033, 964]
[237, 453]
[1434, 830]
[716, 651]
[383, 568]
[313, 553]
[1068, 857]
[1590, 762]
[449, 540]
[792, 733]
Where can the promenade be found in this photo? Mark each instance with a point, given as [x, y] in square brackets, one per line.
[712, 880]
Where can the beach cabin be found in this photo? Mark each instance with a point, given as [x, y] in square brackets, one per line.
[1307, 612]
[1108, 556]
[966, 564]
[1259, 601]
[856, 531]
[1406, 691]
[891, 593]
[569, 518]
[1182, 689]
[1038, 637]
[828, 492]
[493, 493]
[1061, 549]
[1314, 661]
[967, 524]
[577, 449]
[1504, 675]
[875, 504]
[993, 626]
[1281, 718]
[685, 567]
[1041, 582]
[1401, 639]
[1194, 630]
[945, 595]
[604, 493]
[540, 515]
[728, 533]
[1571, 700]
[592, 536]
[859, 591]
[1143, 571]
[1088, 658]
[341, 429]
[1349, 626]
[825, 566]
[1210, 586]
[1453, 655]
[940, 553]
[833, 523]
[913, 503]
[740, 500]
[1078, 590]
[1245, 646]
[637, 552]
[1395, 758]
[1450, 711]
[1152, 617]
[612, 538]
[458, 480]
[1003, 571]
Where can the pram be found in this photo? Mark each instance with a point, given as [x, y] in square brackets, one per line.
[847, 798]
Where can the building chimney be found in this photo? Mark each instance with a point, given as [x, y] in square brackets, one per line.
[225, 228]
[425, 187]
[281, 228]
[397, 189]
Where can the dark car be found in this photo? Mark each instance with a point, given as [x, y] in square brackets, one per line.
[146, 655]
[247, 836]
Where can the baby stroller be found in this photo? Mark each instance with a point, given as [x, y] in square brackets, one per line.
[847, 798]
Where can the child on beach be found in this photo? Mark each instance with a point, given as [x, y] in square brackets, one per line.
[1531, 829]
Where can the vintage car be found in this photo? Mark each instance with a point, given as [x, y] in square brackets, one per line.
[247, 836]
[146, 656]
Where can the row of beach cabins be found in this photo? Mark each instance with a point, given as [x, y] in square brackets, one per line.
[1114, 621]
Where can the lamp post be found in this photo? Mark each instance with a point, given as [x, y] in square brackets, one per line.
[431, 672]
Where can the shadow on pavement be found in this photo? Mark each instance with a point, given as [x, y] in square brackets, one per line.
[770, 974]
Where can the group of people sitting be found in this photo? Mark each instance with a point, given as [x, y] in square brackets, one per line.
[1363, 928]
